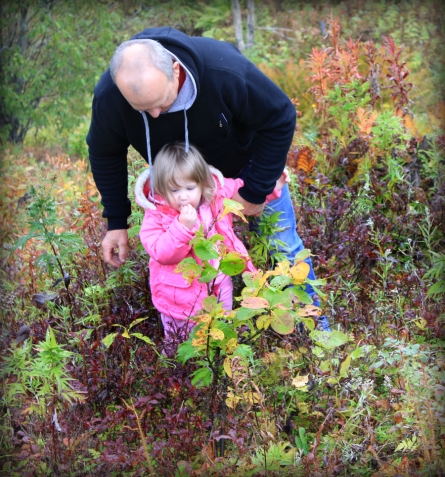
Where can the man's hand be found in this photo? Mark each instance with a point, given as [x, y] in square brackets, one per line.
[249, 208]
[188, 216]
[115, 239]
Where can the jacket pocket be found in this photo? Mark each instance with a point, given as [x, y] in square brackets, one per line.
[224, 125]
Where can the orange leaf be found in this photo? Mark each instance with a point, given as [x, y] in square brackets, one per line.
[255, 303]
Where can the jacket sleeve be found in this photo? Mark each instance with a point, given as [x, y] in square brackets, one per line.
[275, 194]
[108, 147]
[231, 186]
[167, 246]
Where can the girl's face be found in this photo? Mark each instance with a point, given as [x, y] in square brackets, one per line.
[186, 192]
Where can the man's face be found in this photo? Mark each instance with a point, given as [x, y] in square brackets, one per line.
[156, 92]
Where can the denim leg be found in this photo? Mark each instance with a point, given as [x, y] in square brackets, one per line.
[289, 235]
[293, 242]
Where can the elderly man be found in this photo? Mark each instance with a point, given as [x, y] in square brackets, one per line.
[164, 86]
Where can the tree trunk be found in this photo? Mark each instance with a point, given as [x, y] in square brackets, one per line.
[250, 23]
[238, 25]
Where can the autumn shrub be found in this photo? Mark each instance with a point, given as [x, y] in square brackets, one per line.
[258, 391]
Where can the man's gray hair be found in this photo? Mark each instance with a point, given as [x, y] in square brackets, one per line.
[152, 54]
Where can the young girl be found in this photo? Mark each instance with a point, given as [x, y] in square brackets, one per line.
[187, 193]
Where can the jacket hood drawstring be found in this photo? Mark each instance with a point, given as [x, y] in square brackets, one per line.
[147, 136]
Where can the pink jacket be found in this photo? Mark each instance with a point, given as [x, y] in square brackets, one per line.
[166, 240]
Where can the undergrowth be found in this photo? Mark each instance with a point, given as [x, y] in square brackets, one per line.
[260, 392]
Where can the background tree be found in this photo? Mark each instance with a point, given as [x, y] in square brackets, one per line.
[51, 55]
[250, 23]
[238, 24]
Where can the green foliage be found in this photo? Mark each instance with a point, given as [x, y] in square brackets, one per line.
[109, 339]
[301, 441]
[253, 392]
[263, 250]
[43, 376]
[437, 274]
[388, 133]
[52, 55]
[57, 247]
[214, 20]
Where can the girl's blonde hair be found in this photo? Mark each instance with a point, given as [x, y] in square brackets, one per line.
[172, 161]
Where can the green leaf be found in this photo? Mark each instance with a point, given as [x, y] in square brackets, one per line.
[204, 248]
[329, 339]
[301, 441]
[279, 298]
[136, 322]
[202, 377]
[232, 264]
[23, 240]
[109, 339]
[144, 338]
[208, 273]
[357, 352]
[189, 269]
[302, 296]
[309, 322]
[344, 367]
[211, 305]
[283, 321]
[278, 283]
[186, 350]
[302, 255]
[244, 351]
[244, 314]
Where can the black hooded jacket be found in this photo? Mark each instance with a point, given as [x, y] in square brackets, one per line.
[238, 115]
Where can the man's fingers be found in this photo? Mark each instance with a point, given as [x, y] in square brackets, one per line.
[107, 251]
[115, 239]
[123, 253]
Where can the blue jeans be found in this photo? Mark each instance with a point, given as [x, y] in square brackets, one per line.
[290, 237]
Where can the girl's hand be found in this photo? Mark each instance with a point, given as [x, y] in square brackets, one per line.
[188, 216]
[283, 180]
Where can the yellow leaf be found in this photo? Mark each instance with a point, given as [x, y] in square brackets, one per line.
[252, 397]
[300, 381]
[263, 322]
[216, 334]
[199, 342]
[233, 207]
[125, 334]
[203, 318]
[228, 367]
[299, 272]
[344, 368]
[231, 345]
[232, 400]
[282, 268]
[421, 323]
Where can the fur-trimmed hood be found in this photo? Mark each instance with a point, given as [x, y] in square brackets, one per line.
[142, 190]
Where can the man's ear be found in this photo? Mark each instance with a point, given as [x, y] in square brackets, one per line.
[176, 68]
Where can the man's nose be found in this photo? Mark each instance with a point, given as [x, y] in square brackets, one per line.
[155, 112]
